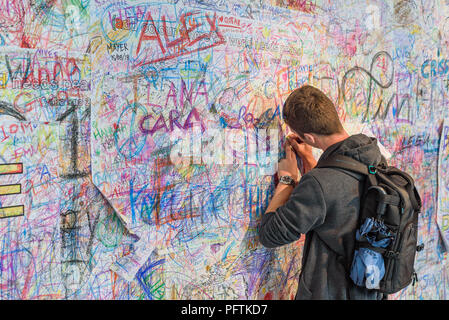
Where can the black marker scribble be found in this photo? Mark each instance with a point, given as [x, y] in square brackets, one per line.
[372, 79]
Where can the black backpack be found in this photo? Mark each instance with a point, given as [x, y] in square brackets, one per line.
[390, 196]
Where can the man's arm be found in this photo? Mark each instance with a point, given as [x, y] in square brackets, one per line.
[289, 167]
[303, 211]
[281, 195]
[286, 167]
[291, 211]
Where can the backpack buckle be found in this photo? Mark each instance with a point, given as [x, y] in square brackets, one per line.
[382, 165]
[372, 169]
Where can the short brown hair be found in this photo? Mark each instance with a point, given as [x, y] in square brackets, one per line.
[308, 110]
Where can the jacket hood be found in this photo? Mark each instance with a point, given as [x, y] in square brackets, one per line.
[359, 147]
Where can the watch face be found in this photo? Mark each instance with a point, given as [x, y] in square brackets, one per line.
[287, 180]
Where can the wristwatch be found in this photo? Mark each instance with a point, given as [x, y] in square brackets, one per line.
[287, 180]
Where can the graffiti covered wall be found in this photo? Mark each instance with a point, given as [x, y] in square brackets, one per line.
[138, 139]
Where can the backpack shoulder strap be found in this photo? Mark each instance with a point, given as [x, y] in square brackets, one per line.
[350, 164]
[344, 162]
[355, 175]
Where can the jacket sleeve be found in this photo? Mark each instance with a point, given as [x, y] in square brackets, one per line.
[303, 211]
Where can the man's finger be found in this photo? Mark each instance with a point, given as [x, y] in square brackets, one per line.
[288, 151]
[293, 136]
[294, 144]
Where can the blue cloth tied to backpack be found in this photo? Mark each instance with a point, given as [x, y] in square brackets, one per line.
[368, 266]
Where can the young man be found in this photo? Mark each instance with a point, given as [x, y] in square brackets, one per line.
[324, 205]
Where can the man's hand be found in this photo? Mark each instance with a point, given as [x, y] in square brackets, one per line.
[288, 166]
[304, 151]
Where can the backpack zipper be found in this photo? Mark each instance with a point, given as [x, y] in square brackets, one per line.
[389, 265]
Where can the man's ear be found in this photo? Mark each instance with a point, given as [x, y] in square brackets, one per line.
[309, 139]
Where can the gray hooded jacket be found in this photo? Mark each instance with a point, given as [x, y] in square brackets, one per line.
[325, 207]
